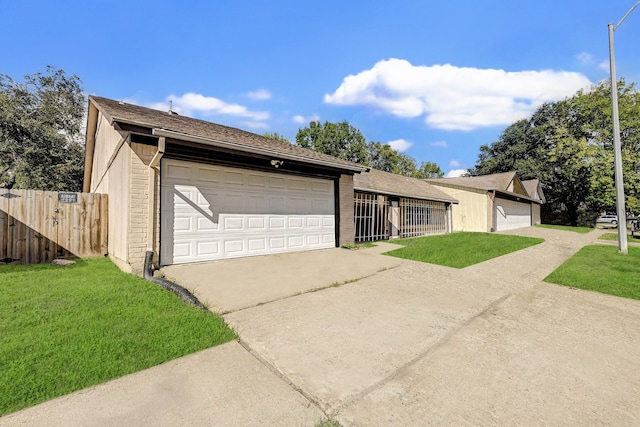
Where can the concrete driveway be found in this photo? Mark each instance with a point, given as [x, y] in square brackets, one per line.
[235, 284]
[486, 345]
[413, 344]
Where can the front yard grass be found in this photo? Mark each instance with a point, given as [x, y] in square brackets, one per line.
[614, 237]
[602, 269]
[460, 250]
[581, 230]
[66, 328]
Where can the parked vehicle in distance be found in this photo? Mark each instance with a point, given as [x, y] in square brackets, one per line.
[608, 219]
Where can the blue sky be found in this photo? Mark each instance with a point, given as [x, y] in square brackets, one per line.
[435, 79]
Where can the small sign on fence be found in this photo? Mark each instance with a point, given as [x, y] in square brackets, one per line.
[68, 197]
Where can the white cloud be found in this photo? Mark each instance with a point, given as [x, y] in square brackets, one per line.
[400, 145]
[455, 98]
[191, 103]
[439, 144]
[604, 66]
[305, 120]
[259, 95]
[255, 125]
[585, 58]
[454, 164]
[454, 173]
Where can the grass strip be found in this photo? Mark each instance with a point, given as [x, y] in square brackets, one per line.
[460, 250]
[602, 269]
[614, 237]
[581, 230]
[67, 328]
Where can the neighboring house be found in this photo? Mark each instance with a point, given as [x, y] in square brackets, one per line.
[390, 206]
[534, 190]
[494, 202]
[191, 190]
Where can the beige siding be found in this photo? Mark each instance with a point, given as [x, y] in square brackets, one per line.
[535, 214]
[108, 141]
[110, 175]
[346, 195]
[116, 184]
[472, 212]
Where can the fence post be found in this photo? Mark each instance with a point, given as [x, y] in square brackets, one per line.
[394, 219]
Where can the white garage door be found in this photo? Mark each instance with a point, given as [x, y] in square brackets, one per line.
[511, 214]
[215, 212]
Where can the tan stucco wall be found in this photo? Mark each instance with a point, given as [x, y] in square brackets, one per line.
[535, 214]
[471, 213]
[345, 197]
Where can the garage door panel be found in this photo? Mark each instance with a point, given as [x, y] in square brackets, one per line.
[208, 175]
[295, 241]
[208, 248]
[512, 214]
[313, 222]
[277, 222]
[232, 223]
[328, 222]
[258, 223]
[295, 222]
[277, 243]
[215, 212]
[233, 177]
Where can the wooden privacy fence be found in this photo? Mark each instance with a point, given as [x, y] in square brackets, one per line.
[39, 226]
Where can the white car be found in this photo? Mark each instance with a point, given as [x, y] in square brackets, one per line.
[608, 219]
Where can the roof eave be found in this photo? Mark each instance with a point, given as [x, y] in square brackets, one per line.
[248, 149]
[409, 196]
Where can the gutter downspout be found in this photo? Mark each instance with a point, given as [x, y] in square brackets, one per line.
[492, 210]
[154, 171]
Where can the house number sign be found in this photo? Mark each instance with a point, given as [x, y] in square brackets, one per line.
[67, 197]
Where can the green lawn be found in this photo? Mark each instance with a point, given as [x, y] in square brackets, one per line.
[601, 268]
[67, 328]
[581, 230]
[460, 250]
[614, 237]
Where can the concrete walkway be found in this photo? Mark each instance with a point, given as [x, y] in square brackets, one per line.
[415, 344]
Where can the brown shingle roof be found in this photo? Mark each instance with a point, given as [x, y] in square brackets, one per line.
[116, 111]
[377, 181]
[531, 185]
[496, 181]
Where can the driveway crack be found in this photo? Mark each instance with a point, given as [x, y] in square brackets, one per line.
[442, 341]
[309, 398]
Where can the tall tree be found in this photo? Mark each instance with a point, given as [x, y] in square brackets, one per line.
[41, 144]
[428, 170]
[383, 157]
[276, 136]
[568, 146]
[336, 139]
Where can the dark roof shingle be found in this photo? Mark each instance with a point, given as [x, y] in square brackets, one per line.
[388, 183]
[117, 111]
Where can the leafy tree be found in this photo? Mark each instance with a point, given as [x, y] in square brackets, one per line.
[41, 131]
[346, 142]
[568, 145]
[336, 139]
[276, 136]
[383, 157]
[428, 170]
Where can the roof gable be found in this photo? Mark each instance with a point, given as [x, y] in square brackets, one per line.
[534, 189]
[182, 127]
[505, 182]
